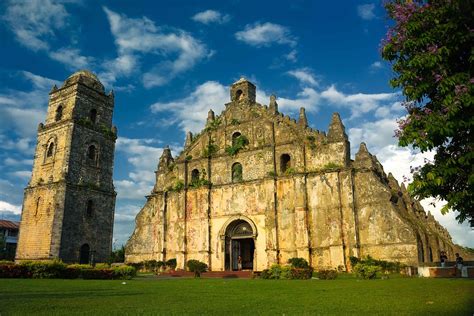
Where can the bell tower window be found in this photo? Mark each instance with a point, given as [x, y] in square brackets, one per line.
[194, 176]
[50, 151]
[236, 172]
[59, 113]
[93, 115]
[234, 138]
[92, 152]
[285, 162]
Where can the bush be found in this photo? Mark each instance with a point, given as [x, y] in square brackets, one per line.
[45, 269]
[366, 270]
[8, 270]
[171, 263]
[102, 266]
[301, 273]
[265, 274]
[197, 267]
[124, 272]
[97, 274]
[327, 274]
[298, 263]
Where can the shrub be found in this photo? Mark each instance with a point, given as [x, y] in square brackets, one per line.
[171, 263]
[327, 274]
[239, 143]
[353, 260]
[197, 267]
[298, 263]
[265, 274]
[366, 270]
[124, 272]
[102, 266]
[136, 265]
[8, 270]
[45, 269]
[301, 273]
[97, 274]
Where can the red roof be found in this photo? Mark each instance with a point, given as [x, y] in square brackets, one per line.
[9, 224]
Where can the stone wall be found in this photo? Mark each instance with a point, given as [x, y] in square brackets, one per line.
[70, 198]
[322, 206]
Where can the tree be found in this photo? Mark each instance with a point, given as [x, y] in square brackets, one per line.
[430, 48]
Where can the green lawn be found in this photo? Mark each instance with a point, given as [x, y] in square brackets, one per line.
[398, 296]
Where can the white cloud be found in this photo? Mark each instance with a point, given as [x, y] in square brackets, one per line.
[211, 16]
[8, 207]
[71, 57]
[210, 94]
[178, 50]
[305, 76]
[266, 34]
[143, 157]
[366, 11]
[358, 103]
[17, 162]
[376, 65]
[291, 56]
[22, 174]
[33, 22]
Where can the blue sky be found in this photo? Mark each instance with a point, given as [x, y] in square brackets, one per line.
[168, 62]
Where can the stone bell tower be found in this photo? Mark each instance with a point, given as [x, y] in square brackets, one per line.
[68, 206]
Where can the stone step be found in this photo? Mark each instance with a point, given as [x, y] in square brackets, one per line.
[213, 274]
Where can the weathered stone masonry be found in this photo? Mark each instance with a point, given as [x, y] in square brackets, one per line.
[68, 206]
[300, 195]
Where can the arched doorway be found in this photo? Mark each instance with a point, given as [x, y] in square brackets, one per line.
[84, 254]
[239, 242]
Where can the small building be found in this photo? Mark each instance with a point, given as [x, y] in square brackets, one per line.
[8, 239]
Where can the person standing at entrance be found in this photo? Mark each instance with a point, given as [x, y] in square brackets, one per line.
[239, 263]
[443, 258]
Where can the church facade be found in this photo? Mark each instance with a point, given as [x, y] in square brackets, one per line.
[261, 186]
[68, 206]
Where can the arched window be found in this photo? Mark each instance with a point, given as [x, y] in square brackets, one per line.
[91, 152]
[238, 95]
[59, 113]
[285, 162]
[84, 254]
[431, 254]
[50, 151]
[90, 208]
[234, 137]
[194, 176]
[236, 172]
[93, 115]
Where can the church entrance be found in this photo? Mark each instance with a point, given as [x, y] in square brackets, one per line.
[239, 246]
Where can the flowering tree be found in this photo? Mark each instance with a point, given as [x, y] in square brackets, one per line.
[430, 46]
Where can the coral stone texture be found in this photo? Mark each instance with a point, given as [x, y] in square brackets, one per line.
[257, 188]
[68, 207]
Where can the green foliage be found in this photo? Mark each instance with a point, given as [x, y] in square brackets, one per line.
[118, 255]
[277, 271]
[234, 122]
[197, 183]
[210, 150]
[213, 125]
[188, 158]
[430, 48]
[45, 269]
[385, 266]
[124, 272]
[366, 270]
[327, 274]
[271, 173]
[237, 173]
[298, 263]
[177, 187]
[331, 166]
[171, 263]
[85, 121]
[312, 142]
[197, 267]
[239, 143]
[290, 171]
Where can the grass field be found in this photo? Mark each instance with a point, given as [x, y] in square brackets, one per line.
[236, 296]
